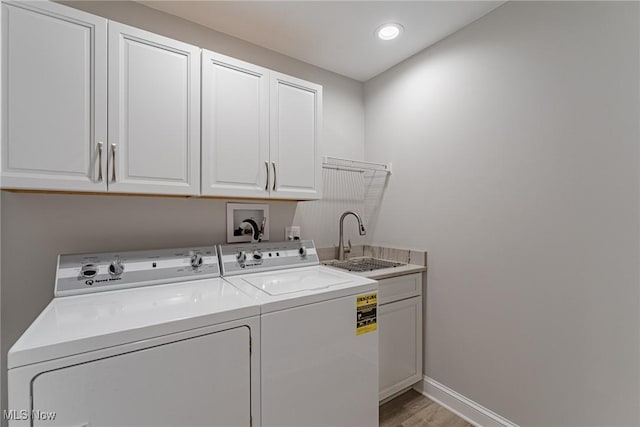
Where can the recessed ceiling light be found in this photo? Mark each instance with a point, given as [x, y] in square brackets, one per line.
[389, 31]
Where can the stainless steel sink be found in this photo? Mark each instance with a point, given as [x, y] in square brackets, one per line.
[360, 265]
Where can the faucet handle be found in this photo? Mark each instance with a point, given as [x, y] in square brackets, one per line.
[347, 250]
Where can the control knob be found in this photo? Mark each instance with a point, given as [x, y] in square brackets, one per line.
[196, 260]
[303, 252]
[88, 270]
[116, 268]
[241, 257]
[257, 255]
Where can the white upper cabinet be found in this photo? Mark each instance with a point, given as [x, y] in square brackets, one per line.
[154, 113]
[94, 105]
[235, 127]
[260, 132]
[296, 125]
[54, 87]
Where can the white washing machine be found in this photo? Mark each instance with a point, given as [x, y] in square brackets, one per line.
[148, 338]
[319, 339]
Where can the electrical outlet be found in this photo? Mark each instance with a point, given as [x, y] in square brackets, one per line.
[292, 233]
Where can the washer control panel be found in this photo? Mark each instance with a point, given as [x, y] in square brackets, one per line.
[86, 273]
[244, 258]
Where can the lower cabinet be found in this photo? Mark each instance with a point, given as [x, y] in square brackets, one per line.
[400, 338]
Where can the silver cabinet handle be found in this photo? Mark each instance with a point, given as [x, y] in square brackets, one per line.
[266, 185]
[113, 165]
[100, 161]
[274, 175]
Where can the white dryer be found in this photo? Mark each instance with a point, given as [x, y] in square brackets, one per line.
[319, 340]
[148, 338]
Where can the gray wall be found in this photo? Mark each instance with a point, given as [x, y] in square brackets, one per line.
[515, 146]
[37, 227]
[516, 163]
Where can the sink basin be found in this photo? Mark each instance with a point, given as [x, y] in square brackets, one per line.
[363, 264]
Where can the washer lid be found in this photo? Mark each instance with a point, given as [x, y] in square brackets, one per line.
[82, 323]
[290, 281]
[283, 289]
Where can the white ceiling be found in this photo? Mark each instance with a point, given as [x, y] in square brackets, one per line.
[334, 35]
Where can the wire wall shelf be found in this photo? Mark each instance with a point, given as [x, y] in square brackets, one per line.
[339, 163]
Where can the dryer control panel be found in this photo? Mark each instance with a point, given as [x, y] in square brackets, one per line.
[86, 273]
[243, 258]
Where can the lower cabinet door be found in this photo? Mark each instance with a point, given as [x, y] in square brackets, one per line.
[400, 329]
[201, 381]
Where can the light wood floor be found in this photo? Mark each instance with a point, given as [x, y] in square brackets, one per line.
[412, 409]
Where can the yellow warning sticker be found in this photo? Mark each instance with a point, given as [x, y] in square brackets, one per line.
[366, 313]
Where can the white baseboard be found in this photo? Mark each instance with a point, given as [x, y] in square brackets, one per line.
[460, 405]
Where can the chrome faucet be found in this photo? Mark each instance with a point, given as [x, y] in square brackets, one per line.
[342, 249]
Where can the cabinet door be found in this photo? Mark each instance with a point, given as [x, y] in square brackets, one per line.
[235, 127]
[54, 105]
[201, 381]
[296, 126]
[154, 113]
[400, 335]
